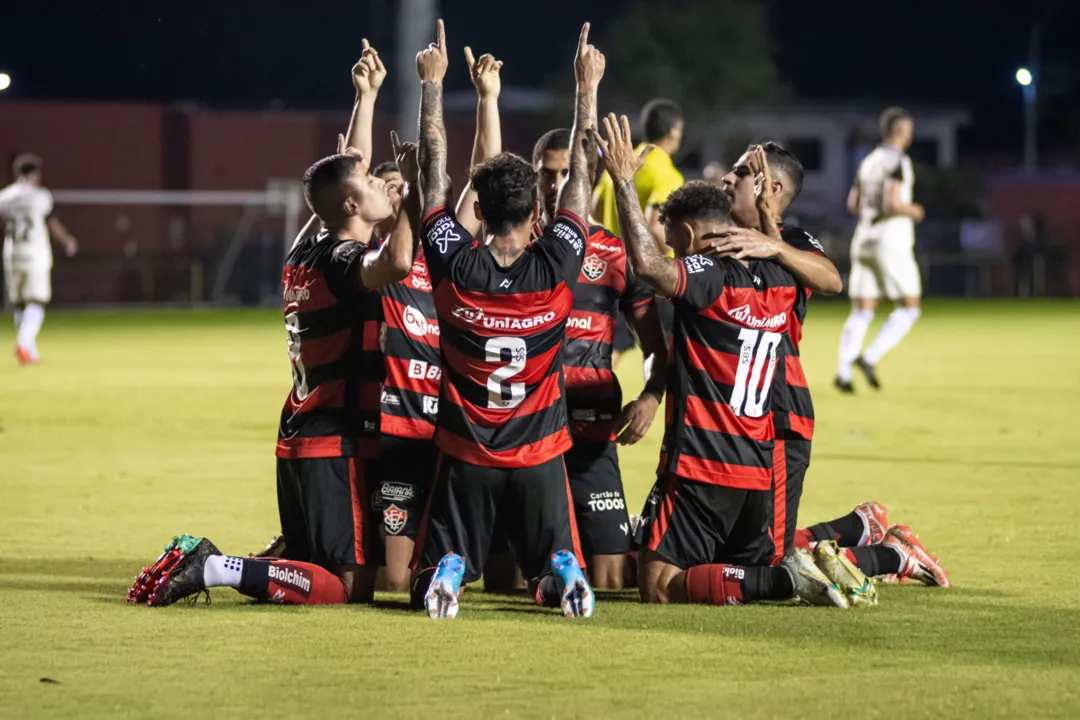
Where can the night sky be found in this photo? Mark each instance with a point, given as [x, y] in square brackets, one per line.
[277, 54]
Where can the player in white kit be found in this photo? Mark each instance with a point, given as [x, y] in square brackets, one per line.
[25, 211]
[882, 250]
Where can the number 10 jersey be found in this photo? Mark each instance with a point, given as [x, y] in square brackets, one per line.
[730, 321]
[502, 331]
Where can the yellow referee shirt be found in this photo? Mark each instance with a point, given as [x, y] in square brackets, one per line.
[657, 179]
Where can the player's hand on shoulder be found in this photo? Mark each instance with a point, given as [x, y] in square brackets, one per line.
[636, 418]
[484, 74]
[620, 160]
[742, 243]
[589, 63]
[431, 62]
[369, 72]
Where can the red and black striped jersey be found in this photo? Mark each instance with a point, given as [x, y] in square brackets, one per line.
[410, 396]
[730, 322]
[501, 335]
[606, 286]
[333, 341]
[792, 407]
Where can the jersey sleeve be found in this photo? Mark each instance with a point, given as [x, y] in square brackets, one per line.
[7, 197]
[636, 296]
[443, 237]
[563, 242]
[802, 240]
[701, 280]
[342, 269]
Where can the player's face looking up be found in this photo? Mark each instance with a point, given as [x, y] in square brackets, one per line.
[551, 173]
[369, 196]
[739, 186]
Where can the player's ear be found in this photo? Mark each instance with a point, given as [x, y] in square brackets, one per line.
[688, 229]
[350, 206]
[476, 210]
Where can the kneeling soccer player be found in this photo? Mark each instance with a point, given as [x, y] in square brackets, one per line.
[705, 530]
[329, 424]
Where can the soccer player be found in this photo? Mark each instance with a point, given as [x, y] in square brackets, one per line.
[502, 308]
[704, 535]
[605, 290]
[329, 428]
[26, 208]
[882, 250]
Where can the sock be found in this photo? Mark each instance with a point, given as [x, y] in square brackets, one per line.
[804, 538]
[847, 531]
[737, 585]
[18, 318]
[899, 322]
[284, 581]
[851, 340]
[547, 591]
[875, 560]
[32, 318]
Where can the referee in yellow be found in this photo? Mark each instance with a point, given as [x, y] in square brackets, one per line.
[662, 121]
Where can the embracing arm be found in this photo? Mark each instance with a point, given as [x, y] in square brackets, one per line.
[812, 270]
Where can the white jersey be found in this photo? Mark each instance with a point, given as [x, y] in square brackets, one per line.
[882, 165]
[24, 209]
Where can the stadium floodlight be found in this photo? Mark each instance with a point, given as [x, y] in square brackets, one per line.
[1023, 76]
[5, 81]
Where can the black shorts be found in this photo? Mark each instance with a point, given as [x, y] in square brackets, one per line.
[599, 503]
[406, 471]
[624, 338]
[791, 459]
[325, 510]
[692, 523]
[468, 501]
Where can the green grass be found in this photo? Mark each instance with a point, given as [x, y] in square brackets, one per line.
[142, 425]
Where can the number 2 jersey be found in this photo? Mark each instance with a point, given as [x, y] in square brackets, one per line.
[333, 341]
[730, 324]
[501, 333]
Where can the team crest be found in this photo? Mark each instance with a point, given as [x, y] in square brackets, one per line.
[394, 518]
[593, 268]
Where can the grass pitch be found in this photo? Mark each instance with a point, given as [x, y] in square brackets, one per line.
[143, 425]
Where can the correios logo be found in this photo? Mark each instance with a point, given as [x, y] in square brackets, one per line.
[743, 315]
[418, 325]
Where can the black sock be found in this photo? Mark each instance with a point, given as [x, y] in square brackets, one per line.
[846, 531]
[767, 583]
[876, 560]
[255, 579]
[547, 591]
[419, 588]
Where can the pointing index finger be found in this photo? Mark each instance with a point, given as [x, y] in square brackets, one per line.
[364, 44]
[469, 59]
[442, 36]
[583, 39]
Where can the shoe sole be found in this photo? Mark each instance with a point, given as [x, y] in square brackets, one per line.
[149, 579]
[577, 596]
[857, 594]
[440, 600]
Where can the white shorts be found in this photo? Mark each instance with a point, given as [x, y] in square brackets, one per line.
[883, 265]
[28, 283]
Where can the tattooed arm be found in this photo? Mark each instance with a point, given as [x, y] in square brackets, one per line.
[653, 268]
[588, 69]
[431, 66]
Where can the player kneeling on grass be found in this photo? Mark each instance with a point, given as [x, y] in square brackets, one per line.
[704, 536]
[331, 290]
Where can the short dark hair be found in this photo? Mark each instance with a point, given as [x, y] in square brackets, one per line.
[506, 189]
[890, 116]
[697, 200]
[26, 164]
[557, 139]
[658, 117]
[385, 168]
[326, 175]
[782, 159]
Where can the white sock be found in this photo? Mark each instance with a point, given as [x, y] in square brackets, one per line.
[851, 340]
[223, 571]
[18, 318]
[32, 318]
[892, 332]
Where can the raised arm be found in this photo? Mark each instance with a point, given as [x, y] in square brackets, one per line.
[393, 261]
[367, 76]
[589, 66]
[650, 265]
[431, 67]
[488, 142]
